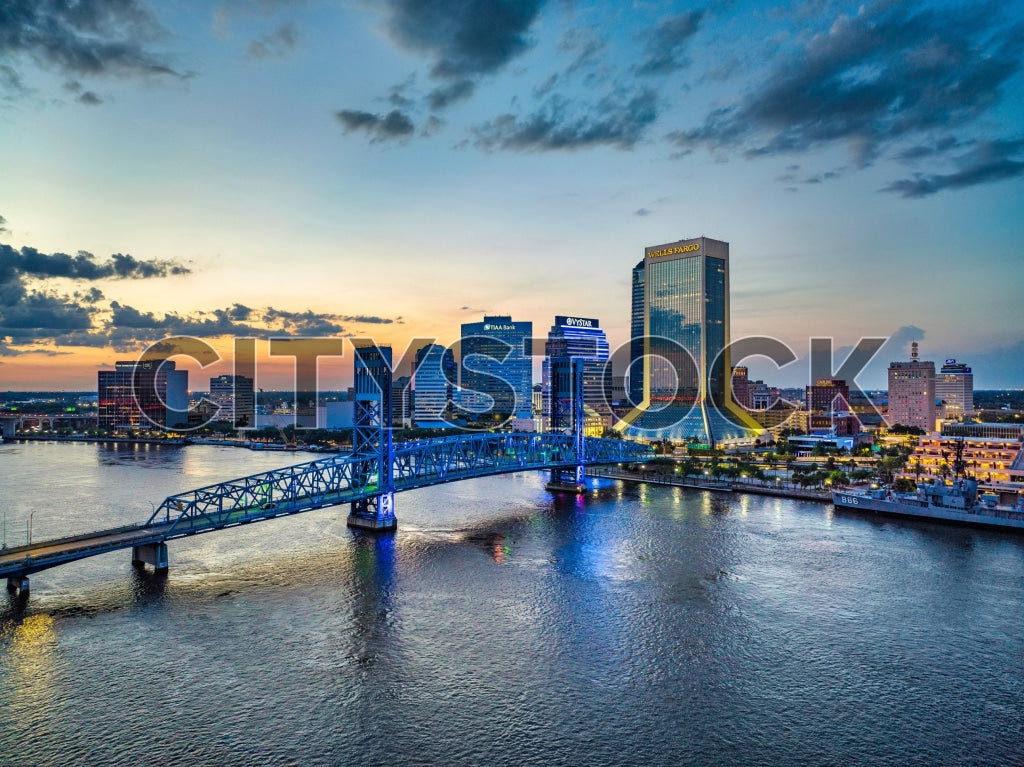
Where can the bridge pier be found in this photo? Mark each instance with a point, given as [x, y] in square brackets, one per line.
[19, 585]
[375, 514]
[562, 481]
[154, 554]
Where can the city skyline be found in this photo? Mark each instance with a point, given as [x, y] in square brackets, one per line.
[398, 170]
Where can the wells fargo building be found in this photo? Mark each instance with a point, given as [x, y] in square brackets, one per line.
[685, 365]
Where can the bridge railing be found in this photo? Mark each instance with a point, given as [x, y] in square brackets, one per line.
[323, 482]
[339, 479]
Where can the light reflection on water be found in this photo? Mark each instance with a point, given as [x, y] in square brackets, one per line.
[503, 625]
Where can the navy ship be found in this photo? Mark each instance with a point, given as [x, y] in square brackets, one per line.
[956, 502]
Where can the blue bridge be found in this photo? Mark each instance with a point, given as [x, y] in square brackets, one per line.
[367, 479]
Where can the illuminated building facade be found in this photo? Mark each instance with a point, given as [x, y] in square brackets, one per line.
[142, 395]
[687, 391]
[581, 338]
[433, 381]
[954, 388]
[496, 369]
[234, 395]
[912, 393]
[636, 339]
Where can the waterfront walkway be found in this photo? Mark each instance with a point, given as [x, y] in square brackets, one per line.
[718, 485]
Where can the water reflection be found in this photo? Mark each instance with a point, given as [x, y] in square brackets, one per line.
[372, 581]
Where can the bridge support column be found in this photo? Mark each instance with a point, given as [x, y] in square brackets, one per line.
[19, 585]
[376, 514]
[154, 554]
[568, 480]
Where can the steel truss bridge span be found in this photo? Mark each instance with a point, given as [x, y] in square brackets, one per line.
[323, 482]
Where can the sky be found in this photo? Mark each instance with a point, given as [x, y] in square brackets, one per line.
[395, 168]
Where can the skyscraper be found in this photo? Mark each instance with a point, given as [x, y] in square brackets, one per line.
[912, 393]
[954, 388]
[433, 380]
[496, 369]
[636, 338]
[576, 337]
[687, 392]
[235, 398]
[142, 395]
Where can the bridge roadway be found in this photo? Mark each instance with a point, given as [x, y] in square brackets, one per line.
[314, 485]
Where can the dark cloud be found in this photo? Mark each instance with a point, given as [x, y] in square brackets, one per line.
[892, 72]
[3, 226]
[129, 327]
[29, 262]
[85, 37]
[397, 93]
[394, 125]
[90, 99]
[446, 95]
[42, 311]
[278, 43]
[464, 38]
[989, 161]
[642, 212]
[369, 319]
[614, 121]
[666, 44]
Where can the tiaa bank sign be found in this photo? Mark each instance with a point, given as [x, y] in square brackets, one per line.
[577, 322]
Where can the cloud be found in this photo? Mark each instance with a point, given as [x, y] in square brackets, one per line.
[29, 262]
[464, 38]
[34, 318]
[990, 161]
[278, 43]
[446, 95]
[90, 99]
[88, 37]
[668, 41]
[889, 73]
[642, 212]
[369, 319]
[129, 327]
[613, 121]
[3, 226]
[394, 125]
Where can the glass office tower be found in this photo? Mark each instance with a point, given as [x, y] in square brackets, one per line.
[576, 337]
[636, 338]
[686, 388]
[496, 368]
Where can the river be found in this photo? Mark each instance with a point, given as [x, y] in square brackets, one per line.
[501, 625]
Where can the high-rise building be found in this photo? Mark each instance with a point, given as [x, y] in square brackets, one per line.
[580, 338]
[401, 402]
[687, 391]
[496, 368]
[234, 395]
[912, 393]
[636, 338]
[954, 388]
[828, 407]
[142, 395]
[741, 386]
[434, 380]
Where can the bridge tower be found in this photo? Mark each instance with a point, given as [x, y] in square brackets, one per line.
[568, 379]
[371, 438]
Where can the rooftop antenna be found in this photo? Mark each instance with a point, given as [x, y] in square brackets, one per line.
[913, 351]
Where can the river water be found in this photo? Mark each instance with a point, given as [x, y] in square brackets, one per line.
[502, 625]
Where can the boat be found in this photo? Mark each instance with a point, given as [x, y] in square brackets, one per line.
[958, 501]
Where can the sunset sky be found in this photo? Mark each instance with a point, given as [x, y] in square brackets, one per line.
[396, 168]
